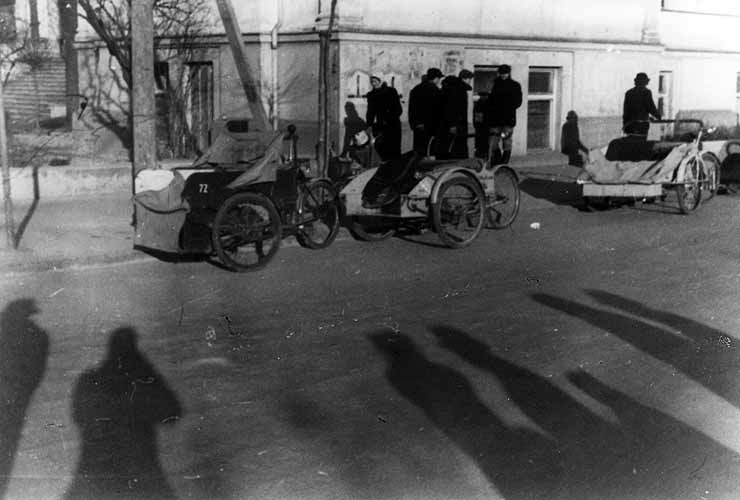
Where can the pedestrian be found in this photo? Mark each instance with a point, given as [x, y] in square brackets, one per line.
[500, 113]
[424, 109]
[570, 141]
[383, 118]
[453, 130]
[639, 107]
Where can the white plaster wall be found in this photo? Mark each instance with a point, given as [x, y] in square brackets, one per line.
[262, 15]
[706, 83]
[601, 77]
[582, 19]
[692, 31]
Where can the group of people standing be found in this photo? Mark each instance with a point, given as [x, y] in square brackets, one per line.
[438, 115]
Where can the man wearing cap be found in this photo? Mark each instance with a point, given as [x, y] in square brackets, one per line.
[424, 104]
[384, 118]
[500, 113]
[453, 131]
[639, 105]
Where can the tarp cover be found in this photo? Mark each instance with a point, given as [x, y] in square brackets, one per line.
[160, 213]
[232, 147]
[602, 171]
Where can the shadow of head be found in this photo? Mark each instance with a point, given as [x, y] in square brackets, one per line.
[21, 308]
[393, 345]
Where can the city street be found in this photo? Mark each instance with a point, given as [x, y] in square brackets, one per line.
[575, 355]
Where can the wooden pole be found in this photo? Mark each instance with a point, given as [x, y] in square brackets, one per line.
[142, 64]
[239, 51]
[68, 20]
[9, 221]
[324, 152]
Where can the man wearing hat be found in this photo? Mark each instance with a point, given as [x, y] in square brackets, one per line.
[500, 113]
[424, 112]
[639, 105]
[452, 139]
[384, 118]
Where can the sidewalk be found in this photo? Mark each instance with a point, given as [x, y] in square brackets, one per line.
[84, 229]
[60, 233]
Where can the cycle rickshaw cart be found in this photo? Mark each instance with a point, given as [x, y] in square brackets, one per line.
[635, 169]
[456, 198]
[237, 201]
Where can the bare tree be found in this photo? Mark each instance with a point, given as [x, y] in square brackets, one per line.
[178, 24]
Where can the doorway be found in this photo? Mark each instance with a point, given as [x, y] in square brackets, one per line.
[541, 108]
[200, 103]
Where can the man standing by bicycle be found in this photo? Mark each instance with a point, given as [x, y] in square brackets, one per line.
[424, 112]
[500, 113]
[638, 107]
[384, 118]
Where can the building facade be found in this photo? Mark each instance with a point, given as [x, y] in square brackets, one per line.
[570, 54]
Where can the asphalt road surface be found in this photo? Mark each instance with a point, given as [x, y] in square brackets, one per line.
[593, 358]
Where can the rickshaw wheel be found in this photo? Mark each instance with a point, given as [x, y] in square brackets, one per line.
[246, 232]
[689, 193]
[504, 208]
[368, 229]
[459, 212]
[710, 176]
[318, 209]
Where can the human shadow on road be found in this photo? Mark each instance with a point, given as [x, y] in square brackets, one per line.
[24, 348]
[116, 407]
[643, 454]
[700, 352]
[519, 461]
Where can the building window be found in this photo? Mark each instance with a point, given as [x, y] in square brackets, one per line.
[541, 108]
[8, 31]
[665, 94]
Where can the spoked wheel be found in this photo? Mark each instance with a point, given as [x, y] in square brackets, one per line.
[318, 210]
[246, 232]
[458, 214]
[369, 228]
[710, 176]
[502, 210]
[689, 193]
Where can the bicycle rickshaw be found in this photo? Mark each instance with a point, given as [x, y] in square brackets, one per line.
[635, 169]
[237, 201]
[456, 198]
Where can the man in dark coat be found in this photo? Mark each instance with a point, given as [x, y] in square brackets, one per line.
[424, 109]
[500, 113]
[639, 105]
[453, 134]
[383, 117]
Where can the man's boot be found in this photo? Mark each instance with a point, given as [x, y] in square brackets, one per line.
[496, 159]
[506, 156]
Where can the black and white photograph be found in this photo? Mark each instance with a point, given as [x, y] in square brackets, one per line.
[370, 250]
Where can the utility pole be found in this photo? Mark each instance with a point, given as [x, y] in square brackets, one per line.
[251, 90]
[68, 19]
[324, 69]
[142, 64]
[9, 221]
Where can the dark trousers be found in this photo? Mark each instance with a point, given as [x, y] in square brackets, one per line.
[421, 141]
[388, 142]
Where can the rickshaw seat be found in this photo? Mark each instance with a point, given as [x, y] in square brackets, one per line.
[638, 149]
